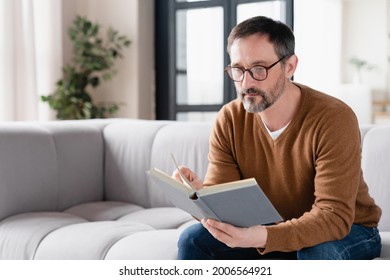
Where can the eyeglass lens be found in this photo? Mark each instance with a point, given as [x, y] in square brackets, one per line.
[257, 72]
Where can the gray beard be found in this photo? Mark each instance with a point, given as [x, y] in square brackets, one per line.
[252, 107]
[268, 98]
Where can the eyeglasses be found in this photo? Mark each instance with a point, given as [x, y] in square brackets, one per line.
[257, 72]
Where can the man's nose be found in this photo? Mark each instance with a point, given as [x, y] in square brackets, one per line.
[248, 80]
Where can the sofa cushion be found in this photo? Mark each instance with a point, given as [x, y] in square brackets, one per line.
[127, 157]
[22, 234]
[81, 241]
[79, 155]
[49, 167]
[103, 210]
[150, 245]
[159, 217]
[376, 156]
[28, 169]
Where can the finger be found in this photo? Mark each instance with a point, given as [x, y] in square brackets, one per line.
[188, 173]
[177, 176]
[197, 183]
[185, 171]
[217, 233]
[191, 176]
[224, 227]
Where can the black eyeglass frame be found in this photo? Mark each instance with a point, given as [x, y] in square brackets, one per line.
[228, 68]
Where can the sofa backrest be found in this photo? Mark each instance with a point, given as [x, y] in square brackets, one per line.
[135, 146]
[128, 147]
[376, 169]
[49, 166]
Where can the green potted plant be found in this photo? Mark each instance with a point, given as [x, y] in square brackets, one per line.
[93, 59]
[360, 64]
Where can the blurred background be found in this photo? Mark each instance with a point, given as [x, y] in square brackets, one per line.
[173, 68]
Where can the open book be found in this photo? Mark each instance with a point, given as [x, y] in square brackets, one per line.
[240, 203]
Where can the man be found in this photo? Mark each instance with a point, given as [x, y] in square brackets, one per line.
[302, 147]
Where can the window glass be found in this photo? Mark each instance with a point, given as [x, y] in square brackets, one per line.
[199, 56]
[272, 9]
[181, 88]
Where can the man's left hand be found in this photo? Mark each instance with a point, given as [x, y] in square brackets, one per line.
[234, 237]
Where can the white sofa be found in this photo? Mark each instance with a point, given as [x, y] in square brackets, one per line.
[78, 189]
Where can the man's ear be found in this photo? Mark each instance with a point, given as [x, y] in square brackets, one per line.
[290, 66]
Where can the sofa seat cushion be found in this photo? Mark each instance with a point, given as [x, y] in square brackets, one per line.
[103, 210]
[21, 234]
[151, 245]
[131, 236]
[86, 241]
[159, 217]
[91, 231]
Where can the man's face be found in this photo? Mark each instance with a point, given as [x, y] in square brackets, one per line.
[257, 96]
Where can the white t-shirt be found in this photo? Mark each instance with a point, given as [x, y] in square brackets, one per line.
[275, 134]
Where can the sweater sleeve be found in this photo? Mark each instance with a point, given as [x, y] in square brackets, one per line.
[337, 152]
[222, 166]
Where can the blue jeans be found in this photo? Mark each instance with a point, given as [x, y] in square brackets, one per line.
[362, 243]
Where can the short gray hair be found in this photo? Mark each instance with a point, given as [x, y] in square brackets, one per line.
[278, 33]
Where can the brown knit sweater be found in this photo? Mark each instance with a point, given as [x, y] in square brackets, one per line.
[311, 172]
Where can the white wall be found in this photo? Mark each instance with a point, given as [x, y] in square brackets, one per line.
[317, 29]
[330, 32]
[133, 87]
[365, 35]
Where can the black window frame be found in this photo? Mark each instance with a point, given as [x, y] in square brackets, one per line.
[165, 53]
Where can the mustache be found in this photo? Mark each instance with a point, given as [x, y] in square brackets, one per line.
[252, 90]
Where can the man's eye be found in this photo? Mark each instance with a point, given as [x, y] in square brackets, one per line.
[237, 71]
[257, 69]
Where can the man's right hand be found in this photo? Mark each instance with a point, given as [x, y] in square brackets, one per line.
[190, 175]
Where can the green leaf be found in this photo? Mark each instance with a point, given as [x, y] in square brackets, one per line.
[93, 60]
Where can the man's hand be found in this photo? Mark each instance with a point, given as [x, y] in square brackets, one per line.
[234, 237]
[190, 175]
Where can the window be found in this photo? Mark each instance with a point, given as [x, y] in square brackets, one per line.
[191, 53]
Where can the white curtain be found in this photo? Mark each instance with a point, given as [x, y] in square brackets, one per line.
[30, 57]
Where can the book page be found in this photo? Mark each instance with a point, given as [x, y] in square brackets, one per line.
[183, 178]
[177, 192]
[227, 186]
